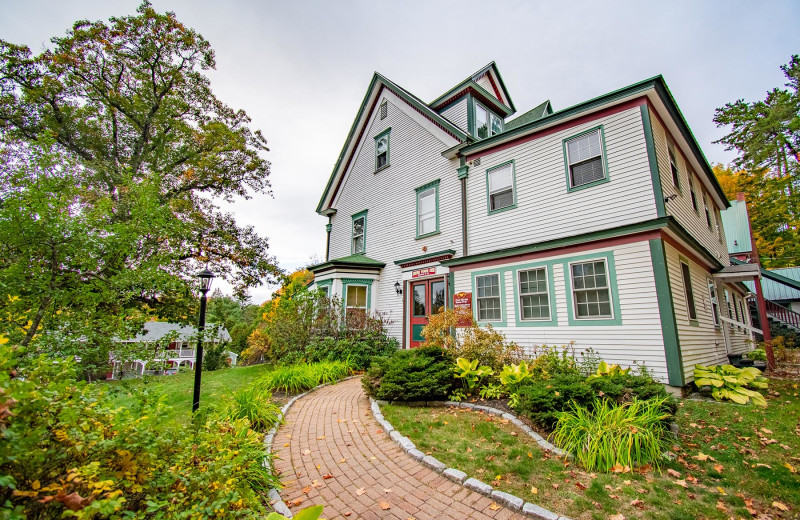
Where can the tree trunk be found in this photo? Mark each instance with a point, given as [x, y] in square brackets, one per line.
[37, 320]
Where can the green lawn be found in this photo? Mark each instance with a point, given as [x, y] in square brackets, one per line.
[216, 389]
[734, 461]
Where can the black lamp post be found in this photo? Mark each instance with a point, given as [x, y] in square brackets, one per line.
[205, 277]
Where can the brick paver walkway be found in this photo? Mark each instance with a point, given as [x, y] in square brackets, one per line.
[331, 433]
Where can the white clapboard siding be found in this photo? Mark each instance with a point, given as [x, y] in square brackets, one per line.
[456, 113]
[390, 198]
[681, 206]
[545, 209]
[486, 84]
[638, 338]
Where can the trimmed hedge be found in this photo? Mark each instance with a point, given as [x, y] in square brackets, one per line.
[421, 374]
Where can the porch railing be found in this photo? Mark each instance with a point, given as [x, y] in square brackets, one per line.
[782, 314]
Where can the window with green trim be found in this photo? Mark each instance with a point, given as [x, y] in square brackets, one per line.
[428, 209]
[712, 297]
[693, 193]
[382, 150]
[356, 298]
[708, 213]
[534, 296]
[688, 290]
[673, 167]
[591, 292]
[359, 232]
[585, 159]
[488, 297]
[501, 186]
[487, 123]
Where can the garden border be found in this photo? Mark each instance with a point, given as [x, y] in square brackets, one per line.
[277, 503]
[511, 501]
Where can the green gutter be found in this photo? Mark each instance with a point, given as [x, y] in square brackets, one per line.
[666, 309]
[772, 275]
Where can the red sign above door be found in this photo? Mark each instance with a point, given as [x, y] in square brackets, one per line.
[423, 272]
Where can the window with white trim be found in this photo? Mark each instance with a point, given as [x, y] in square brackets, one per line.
[688, 291]
[534, 296]
[591, 292]
[325, 290]
[359, 228]
[427, 211]
[487, 123]
[712, 297]
[488, 296]
[585, 159]
[501, 187]
[673, 167]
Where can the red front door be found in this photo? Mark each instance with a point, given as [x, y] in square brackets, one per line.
[426, 298]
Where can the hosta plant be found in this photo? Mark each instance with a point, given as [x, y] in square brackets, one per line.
[309, 513]
[513, 376]
[606, 370]
[471, 374]
[734, 384]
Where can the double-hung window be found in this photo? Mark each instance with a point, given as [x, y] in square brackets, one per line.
[693, 193]
[708, 213]
[591, 292]
[488, 293]
[673, 166]
[689, 291]
[382, 150]
[712, 296]
[359, 232]
[428, 209]
[500, 181]
[585, 163]
[534, 297]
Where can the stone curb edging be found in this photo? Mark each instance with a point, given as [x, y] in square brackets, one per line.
[274, 495]
[511, 501]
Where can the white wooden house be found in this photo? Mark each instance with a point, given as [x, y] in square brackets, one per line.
[596, 224]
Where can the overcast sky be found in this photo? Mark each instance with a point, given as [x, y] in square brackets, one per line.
[300, 69]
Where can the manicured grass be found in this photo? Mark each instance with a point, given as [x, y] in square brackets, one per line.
[751, 451]
[216, 389]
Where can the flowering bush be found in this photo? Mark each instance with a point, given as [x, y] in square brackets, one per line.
[66, 451]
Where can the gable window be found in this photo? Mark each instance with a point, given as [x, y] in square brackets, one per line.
[382, 150]
[693, 193]
[585, 164]
[534, 298]
[689, 291]
[673, 166]
[500, 180]
[384, 109]
[708, 213]
[590, 290]
[428, 209]
[488, 295]
[712, 296]
[359, 233]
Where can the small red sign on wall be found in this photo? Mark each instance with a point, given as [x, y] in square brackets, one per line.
[463, 300]
[423, 272]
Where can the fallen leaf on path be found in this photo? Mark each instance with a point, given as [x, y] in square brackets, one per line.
[494, 506]
[638, 503]
[306, 452]
[327, 476]
[384, 505]
[719, 467]
[360, 491]
[682, 483]
[321, 437]
[674, 473]
[580, 485]
[296, 502]
[721, 506]
[307, 490]
[721, 491]
[385, 490]
[780, 505]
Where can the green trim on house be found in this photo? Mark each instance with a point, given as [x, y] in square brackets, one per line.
[513, 188]
[551, 294]
[463, 172]
[358, 282]
[470, 114]
[611, 275]
[388, 134]
[497, 106]
[324, 283]
[426, 255]
[692, 321]
[666, 309]
[501, 279]
[421, 189]
[603, 158]
[652, 158]
[357, 260]
[364, 236]
[462, 85]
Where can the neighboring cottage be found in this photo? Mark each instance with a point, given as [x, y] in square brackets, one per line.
[599, 223]
[170, 346]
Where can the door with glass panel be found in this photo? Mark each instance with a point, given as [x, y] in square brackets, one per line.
[426, 297]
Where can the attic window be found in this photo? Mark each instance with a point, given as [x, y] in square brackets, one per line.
[384, 109]
[487, 123]
[382, 150]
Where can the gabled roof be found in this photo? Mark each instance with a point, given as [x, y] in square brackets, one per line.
[362, 120]
[471, 82]
[545, 109]
[349, 261]
[654, 88]
[156, 330]
[736, 224]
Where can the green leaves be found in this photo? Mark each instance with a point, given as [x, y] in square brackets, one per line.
[309, 513]
[513, 375]
[470, 373]
[731, 383]
[604, 370]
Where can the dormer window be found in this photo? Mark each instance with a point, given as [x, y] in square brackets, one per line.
[486, 123]
[382, 150]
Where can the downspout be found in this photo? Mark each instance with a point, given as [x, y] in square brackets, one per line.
[328, 227]
[463, 172]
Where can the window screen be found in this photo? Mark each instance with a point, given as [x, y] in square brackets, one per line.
[585, 157]
[501, 187]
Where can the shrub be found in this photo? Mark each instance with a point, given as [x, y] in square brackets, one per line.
[608, 435]
[358, 349]
[757, 355]
[485, 344]
[542, 400]
[419, 374]
[550, 361]
[729, 382]
[255, 404]
[215, 356]
[67, 451]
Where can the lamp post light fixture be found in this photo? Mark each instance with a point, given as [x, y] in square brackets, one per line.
[205, 277]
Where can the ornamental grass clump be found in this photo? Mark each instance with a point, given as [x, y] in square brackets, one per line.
[295, 379]
[611, 435]
[254, 403]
